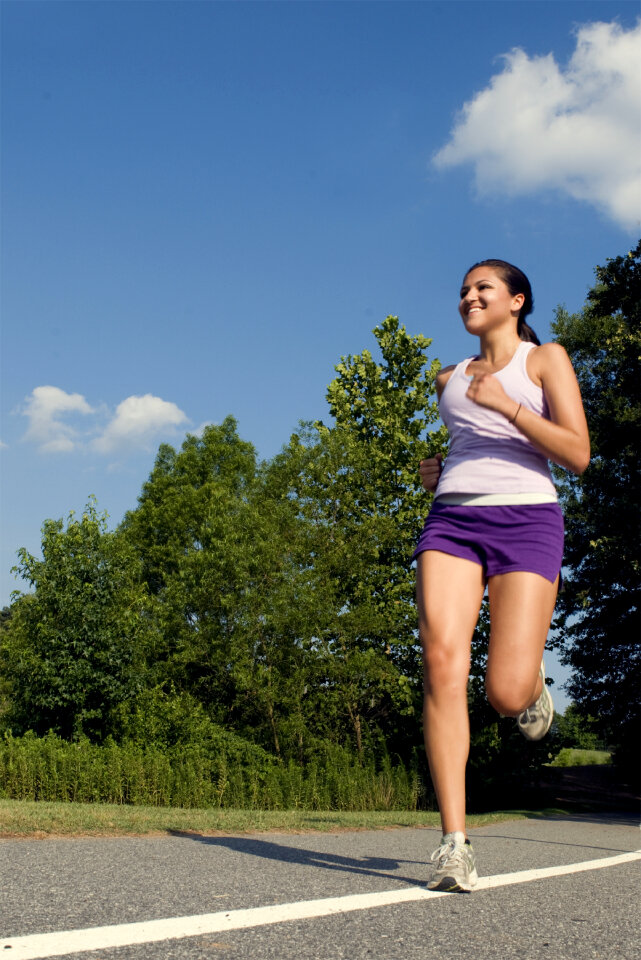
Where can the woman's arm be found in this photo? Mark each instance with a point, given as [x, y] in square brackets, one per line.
[564, 437]
[431, 470]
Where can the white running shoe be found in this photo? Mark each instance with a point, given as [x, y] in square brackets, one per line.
[456, 865]
[535, 722]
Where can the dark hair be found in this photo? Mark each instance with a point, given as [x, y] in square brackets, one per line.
[516, 282]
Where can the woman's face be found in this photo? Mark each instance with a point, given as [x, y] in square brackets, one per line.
[486, 302]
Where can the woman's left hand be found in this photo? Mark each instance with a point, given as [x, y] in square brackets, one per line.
[486, 390]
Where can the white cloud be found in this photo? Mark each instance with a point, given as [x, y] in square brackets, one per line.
[538, 126]
[137, 421]
[45, 407]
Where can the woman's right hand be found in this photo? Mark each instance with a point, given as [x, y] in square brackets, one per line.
[430, 471]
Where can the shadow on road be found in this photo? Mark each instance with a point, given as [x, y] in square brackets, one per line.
[589, 818]
[614, 818]
[365, 866]
[555, 843]
[591, 792]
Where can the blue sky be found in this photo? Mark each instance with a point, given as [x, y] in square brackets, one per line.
[206, 204]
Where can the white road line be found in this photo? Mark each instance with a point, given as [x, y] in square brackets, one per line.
[43, 945]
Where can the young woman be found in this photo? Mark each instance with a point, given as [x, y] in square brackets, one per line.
[495, 522]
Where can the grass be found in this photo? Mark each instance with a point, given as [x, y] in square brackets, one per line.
[573, 757]
[38, 819]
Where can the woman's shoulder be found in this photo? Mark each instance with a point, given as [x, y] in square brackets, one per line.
[443, 376]
[546, 361]
[551, 347]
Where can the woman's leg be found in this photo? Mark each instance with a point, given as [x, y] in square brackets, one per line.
[449, 594]
[521, 609]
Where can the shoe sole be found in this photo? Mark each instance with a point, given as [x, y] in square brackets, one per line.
[545, 732]
[451, 885]
[448, 885]
[527, 734]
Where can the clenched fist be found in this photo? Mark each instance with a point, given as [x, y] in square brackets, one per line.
[430, 471]
[487, 391]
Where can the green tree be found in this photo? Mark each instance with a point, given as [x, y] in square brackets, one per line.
[352, 683]
[220, 550]
[575, 730]
[600, 604]
[72, 649]
[388, 413]
[374, 508]
[5, 618]
[283, 591]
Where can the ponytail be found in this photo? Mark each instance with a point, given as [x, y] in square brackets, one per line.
[526, 332]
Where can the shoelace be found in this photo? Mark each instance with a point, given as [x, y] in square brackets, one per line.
[448, 852]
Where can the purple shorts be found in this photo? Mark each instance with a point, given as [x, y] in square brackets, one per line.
[501, 539]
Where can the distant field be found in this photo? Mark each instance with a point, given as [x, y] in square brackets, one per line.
[26, 818]
[571, 757]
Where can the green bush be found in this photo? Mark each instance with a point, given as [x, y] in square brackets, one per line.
[569, 757]
[226, 772]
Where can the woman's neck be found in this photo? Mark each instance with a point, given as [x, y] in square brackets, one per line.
[498, 347]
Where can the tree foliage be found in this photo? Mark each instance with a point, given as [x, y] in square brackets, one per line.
[275, 600]
[576, 731]
[72, 650]
[283, 591]
[600, 603]
[382, 412]
[218, 551]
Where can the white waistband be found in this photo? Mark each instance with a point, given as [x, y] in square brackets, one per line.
[494, 499]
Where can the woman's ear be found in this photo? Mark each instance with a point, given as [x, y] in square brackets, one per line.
[518, 301]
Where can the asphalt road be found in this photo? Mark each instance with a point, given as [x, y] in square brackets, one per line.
[69, 884]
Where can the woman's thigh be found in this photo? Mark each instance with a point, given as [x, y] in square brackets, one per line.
[449, 591]
[521, 610]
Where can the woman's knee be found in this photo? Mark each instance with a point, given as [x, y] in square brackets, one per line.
[444, 665]
[509, 698]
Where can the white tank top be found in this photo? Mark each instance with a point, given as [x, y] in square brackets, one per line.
[489, 460]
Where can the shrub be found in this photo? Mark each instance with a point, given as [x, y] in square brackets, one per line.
[225, 772]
